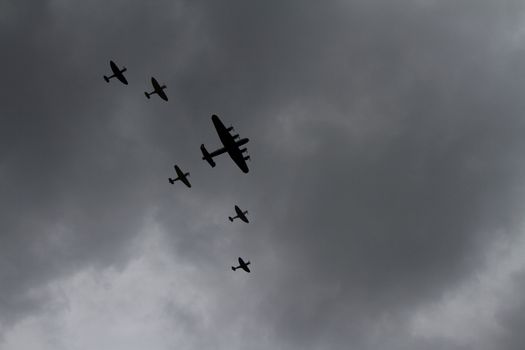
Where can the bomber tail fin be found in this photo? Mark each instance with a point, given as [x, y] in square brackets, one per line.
[207, 156]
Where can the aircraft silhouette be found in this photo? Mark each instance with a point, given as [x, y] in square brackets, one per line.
[242, 265]
[117, 73]
[230, 145]
[157, 89]
[240, 214]
[180, 176]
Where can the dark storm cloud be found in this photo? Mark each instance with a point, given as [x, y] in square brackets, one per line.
[392, 220]
[386, 147]
[73, 185]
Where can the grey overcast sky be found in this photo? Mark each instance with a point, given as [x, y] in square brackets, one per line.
[386, 192]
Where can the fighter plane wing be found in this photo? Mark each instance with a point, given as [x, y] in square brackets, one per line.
[244, 265]
[159, 89]
[241, 215]
[181, 176]
[185, 181]
[119, 74]
[122, 78]
[162, 94]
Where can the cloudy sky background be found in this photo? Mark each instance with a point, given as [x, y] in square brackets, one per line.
[386, 192]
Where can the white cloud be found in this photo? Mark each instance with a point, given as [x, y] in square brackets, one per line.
[468, 315]
[118, 309]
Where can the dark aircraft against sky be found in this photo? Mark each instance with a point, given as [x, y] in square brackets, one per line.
[183, 177]
[240, 215]
[231, 144]
[242, 265]
[117, 73]
[157, 89]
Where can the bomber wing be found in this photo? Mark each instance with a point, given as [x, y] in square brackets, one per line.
[230, 144]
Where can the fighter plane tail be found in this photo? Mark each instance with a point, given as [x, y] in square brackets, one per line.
[106, 79]
[147, 95]
[231, 219]
[172, 181]
[234, 268]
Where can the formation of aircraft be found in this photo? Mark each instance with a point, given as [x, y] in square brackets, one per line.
[183, 177]
[117, 73]
[242, 265]
[230, 144]
[157, 89]
[240, 215]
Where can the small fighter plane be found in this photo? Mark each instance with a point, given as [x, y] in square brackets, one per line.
[243, 265]
[117, 73]
[240, 214]
[180, 176]
[230, 144]
[157, 89]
